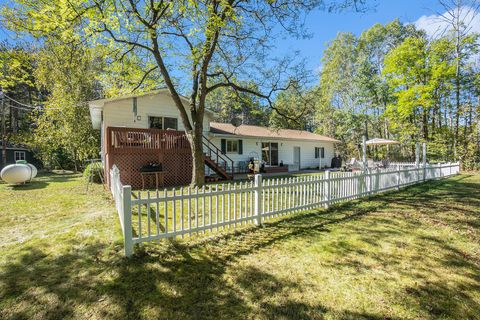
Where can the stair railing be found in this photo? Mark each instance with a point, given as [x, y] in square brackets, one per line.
[216, 155]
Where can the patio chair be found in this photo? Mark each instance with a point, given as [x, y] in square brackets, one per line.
[371, 164]
[385, 163]
[242, 166]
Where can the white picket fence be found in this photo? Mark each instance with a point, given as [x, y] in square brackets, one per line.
[122, 197]
[152, 215]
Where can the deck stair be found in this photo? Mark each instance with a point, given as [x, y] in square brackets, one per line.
[219, 162]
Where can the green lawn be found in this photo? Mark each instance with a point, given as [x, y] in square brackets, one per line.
[414, 254]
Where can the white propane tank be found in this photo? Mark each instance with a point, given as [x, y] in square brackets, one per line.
[34, 171]
[18, 173]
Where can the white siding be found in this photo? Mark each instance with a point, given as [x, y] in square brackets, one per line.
[120, 113]
[285, 152]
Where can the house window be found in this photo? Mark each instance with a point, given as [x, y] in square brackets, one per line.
[155, 122]
[270, 153]
[170, 123]
[163, 123]
[319, 152]
[19, 155]
[232, 146]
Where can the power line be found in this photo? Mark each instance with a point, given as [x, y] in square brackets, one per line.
[20, 108]
[22, 104]
[78, 105]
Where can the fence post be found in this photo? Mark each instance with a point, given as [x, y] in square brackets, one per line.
[398, 177]
[424, 160]
[327, 189]
[127, 220]
[368, 177]
[258, 209]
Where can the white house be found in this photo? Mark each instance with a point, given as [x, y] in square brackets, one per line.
[277, 149]
[293, 148]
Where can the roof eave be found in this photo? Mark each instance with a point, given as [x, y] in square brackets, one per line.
[269, 137]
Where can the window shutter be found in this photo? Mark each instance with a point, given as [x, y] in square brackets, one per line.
[240, 146]
[316, 153]
[134, 106]
[223, 146]
[323, 152]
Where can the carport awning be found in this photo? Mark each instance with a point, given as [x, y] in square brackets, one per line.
[380, 142]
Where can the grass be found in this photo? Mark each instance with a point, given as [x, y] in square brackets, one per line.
[413, 254]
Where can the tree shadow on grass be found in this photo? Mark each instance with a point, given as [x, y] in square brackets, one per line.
[178, 280]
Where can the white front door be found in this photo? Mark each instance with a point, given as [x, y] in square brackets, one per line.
[296, 158]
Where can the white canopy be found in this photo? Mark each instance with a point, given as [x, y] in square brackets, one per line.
[379, 142]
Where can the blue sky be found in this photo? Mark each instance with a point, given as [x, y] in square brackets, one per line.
[324, 26]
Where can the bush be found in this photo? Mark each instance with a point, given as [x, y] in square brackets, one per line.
[94, 171]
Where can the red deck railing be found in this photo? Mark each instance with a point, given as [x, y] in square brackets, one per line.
[132, 138]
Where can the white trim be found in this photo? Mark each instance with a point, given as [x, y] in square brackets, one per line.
[226, 146]
[19, 153]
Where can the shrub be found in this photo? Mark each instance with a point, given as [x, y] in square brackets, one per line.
[94, 171]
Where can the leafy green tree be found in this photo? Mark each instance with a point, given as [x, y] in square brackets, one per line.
[373, 91]
[196, 46]
[228, 104]
[337, 94]
[17, 83]
[408, 74]
[67, 72]
[459, 18]
[420, 73]
[295, 109]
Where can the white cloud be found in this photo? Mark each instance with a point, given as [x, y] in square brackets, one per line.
[435, 25]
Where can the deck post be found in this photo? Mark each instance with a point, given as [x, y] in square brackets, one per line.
[258, 209]
[127, 220]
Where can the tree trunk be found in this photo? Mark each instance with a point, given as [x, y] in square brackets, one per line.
[198, 162]
[75, 161]
[425, 124]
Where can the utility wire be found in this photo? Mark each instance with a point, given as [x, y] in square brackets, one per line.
[22, 104]
[78, 105]
[20, 108]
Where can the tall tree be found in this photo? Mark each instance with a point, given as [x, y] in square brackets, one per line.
[373, 91]
[17, 86]
[228, 104]
[196, 46]
[295, 109]
[459, 17]
[67, 72]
